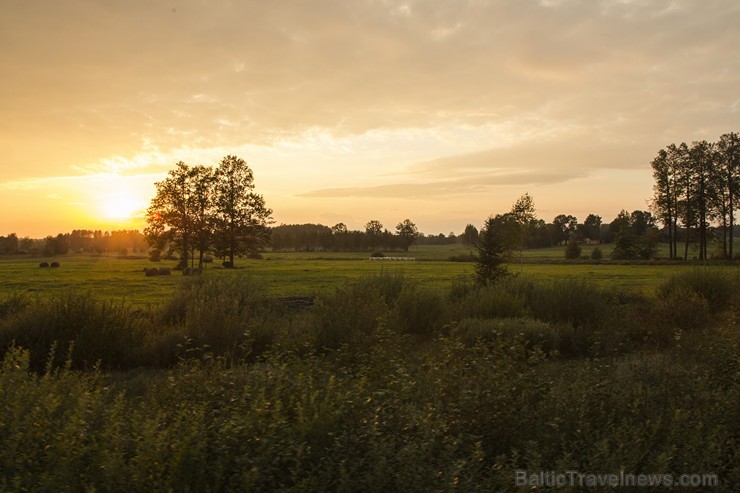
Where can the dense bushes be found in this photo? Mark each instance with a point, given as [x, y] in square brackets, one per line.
[384, 384]
[236, 319]
[448, 417]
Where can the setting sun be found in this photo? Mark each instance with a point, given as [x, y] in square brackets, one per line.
[121, 207]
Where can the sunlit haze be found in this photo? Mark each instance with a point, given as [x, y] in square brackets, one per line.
[439, 111]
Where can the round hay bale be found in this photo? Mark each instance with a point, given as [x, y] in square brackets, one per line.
[151, 272]
[164, 271]
[44, 264]
[54, 264]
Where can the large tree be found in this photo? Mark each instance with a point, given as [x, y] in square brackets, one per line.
[176, 218]
[240, 215]
[407, 232]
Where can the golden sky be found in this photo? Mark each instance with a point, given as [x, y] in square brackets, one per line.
[441, 111]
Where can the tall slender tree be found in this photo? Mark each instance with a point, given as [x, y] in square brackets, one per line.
[728, 178]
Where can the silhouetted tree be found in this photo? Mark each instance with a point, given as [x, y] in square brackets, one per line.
[498, 239]
[175, 218]
[407, 233]
[470, 236]
[240, 215]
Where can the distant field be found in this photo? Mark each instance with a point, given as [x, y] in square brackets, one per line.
[307, 273]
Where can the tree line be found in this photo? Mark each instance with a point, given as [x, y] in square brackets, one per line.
[78, 241]
[200, 209]
[339, 238]
[697, 185]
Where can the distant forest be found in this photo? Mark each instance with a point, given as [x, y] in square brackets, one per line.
[317, 237]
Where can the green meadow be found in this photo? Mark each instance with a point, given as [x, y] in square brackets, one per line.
[403, 376]
[315, 273]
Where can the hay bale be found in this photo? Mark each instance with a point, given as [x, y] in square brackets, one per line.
[164, 271]
[151, 272]
[207, 260]
[54, 264]
[44, 264]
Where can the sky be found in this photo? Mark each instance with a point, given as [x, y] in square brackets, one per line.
[440, 111]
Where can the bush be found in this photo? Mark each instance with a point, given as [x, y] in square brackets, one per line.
[490, 301]
[420, 311]
[568, 300]
[12, 304]
[596, 254]
[561, 339]
[255, 256]
[355, 310]
[572, 250]
[720, 288]
[96, 331]
[220, 316]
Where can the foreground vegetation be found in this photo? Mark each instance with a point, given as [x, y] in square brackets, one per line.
[385, 384]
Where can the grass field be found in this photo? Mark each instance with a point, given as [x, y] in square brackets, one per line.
[382, 385]
[310, 273]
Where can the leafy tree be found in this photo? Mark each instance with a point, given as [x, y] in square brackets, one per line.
[524, 213]
[338, 229]
[176, 218]
[407, 233]
[9, 244]
[374, 230]
[498, 239]
[563, 226]
[592, 227]
[470, 236]
[240, 215]
[665, 202]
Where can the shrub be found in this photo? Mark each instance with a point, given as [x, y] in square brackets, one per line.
[420, 311]
[490, 301]
[13, 304]
[562, 339]
[355, 310]
[567, 300]
[596, 254]
[720, 288]
[96, 331]
[572, 250]
[255, 256]
[227, 264]
[219, 316]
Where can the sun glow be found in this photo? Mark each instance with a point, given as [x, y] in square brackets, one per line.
[121, 207]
